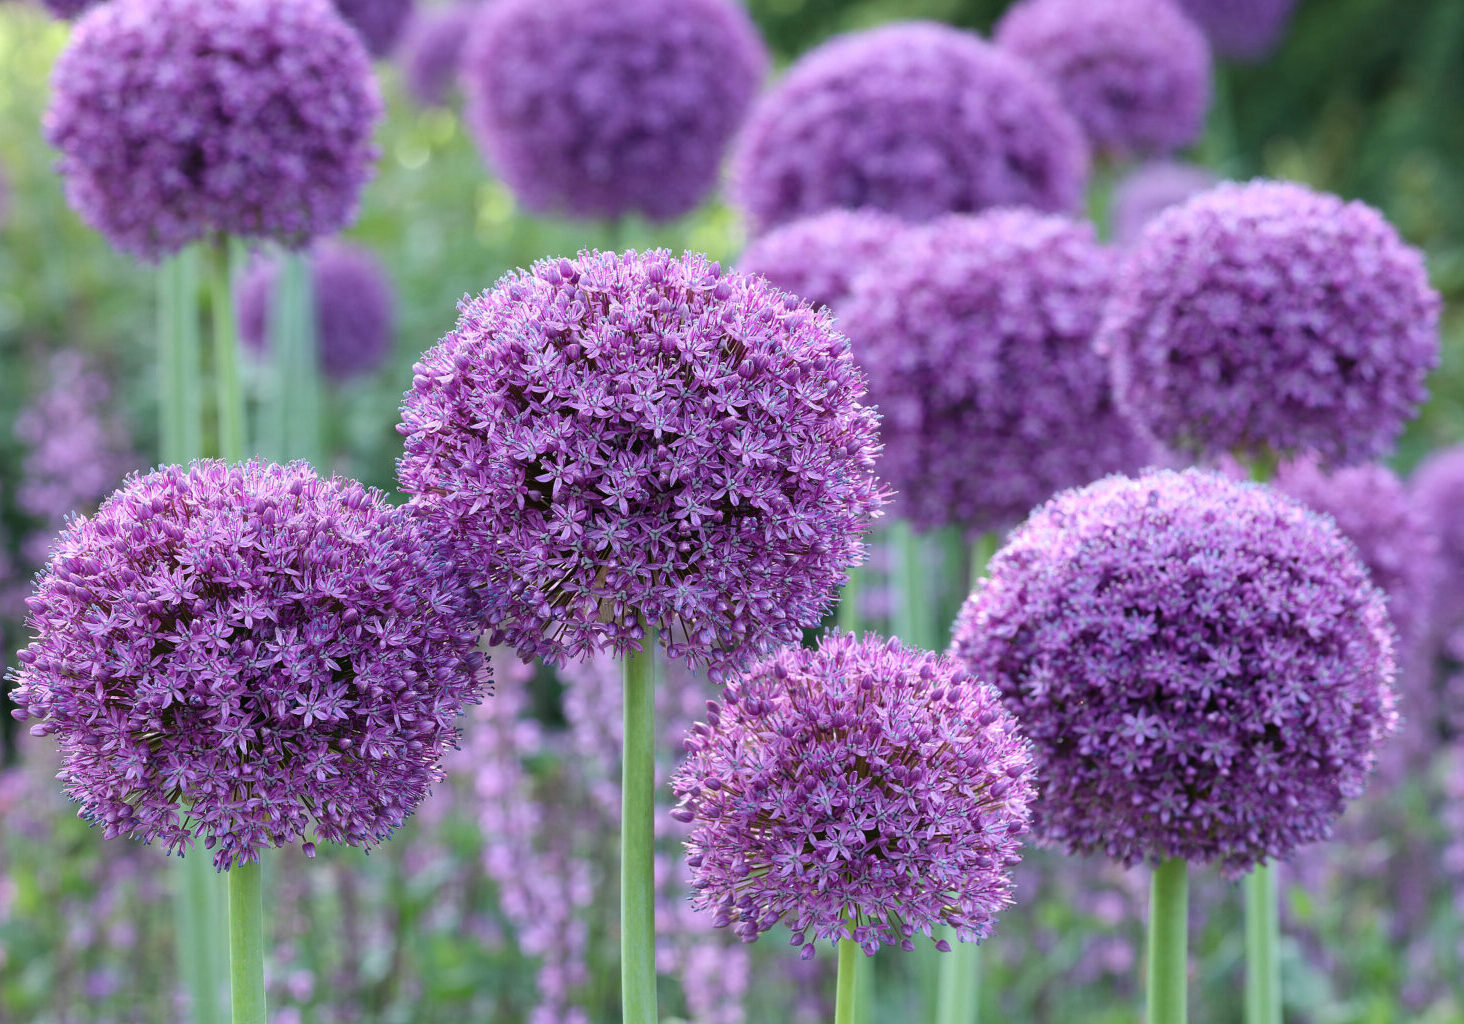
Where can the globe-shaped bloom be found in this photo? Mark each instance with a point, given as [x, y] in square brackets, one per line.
[602, 109]
[1267, 318]
[354, 309]
[380, 22]
[619, 439]
[817, 257]
[863, 784]
[918, 119]
[1203, 667]
[1437, 490]
[1149, 189]
[177, 119]
[1241, 29]
[250, 655]
[976, 334]
[432, 50]
[1135, 73]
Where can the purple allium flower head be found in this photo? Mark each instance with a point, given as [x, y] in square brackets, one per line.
[817, 257]
[864, 781]
[918, 119]
[1242, 29]
[432, 51]
[976, 332]
[626, 437]
[176, 119]
[601, 109]
[1203, 666]
[1265, 317]
[1437, 490]
[1151, 188]
[271, 657]
[380, 22]
[354, 311]
[67, 9]
[1135, 73]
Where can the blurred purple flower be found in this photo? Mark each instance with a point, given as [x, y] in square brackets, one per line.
[817, 257]
[1151, 188]
[380, 22]
[1242, 29]
[432, 50]
[1437, 490]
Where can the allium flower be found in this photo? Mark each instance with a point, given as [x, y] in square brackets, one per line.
[251, 655]
[176, 119]
[601, 109]
[1151, 188]
[354, 314]
[1203, 667]
[1135, 73]
[817, 257]
[432, 51]
[68, 9]
[380, 22]
[864, 781]
[976, 333]
[918, 119]
[1243, 29]
[1437, 490]
[619, 438]
[1266, 317]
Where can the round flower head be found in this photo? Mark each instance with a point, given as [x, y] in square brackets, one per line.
[251, 655]
[1267, 318]
[864, 781]
[601, 109]
[353, 308]
[177, 119]
[626, 437]
[976, 332]
[1149, 189]
[1203, 667]
[432, 51]
[1242, 29]
[918, 119]
[1135, 73]
[380, 22]
[817, 257]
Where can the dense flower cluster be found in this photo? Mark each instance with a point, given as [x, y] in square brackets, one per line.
[432, 51]
[380, 22]
[817, 257]
[864, 790]
[354, 310]
[250, 655]
[1149, 189]
[602, 109]
[918, 119]
[976, 334]
[639, 439]
[1135, 73]
[1203, 667]
[1266, 317]
[176, 119]
[1243, 29]
[1437, 490]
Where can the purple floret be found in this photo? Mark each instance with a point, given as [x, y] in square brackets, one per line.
[864, 781]
[599, 109]
[623, 436]
[178, 119]
[380, 22]
[432, 51]
[1242, 29]
[976, 334]
[1203, 667]
[1150, 189]
[354, 309]
[251, 656]
[1267, 318]
[817, 257]
[1135, 73]
[917, 119]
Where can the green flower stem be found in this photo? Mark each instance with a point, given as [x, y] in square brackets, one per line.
[1168, 943]
[846, 617]
[637, 839]
[246, 943]
[981, 551]
[1262, 933]
[912, 615]
[844, 999]
[296, 362]
[958, 995]
[228, 390]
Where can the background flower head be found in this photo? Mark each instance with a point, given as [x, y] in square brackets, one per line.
[380, 22]
[817, 257]
[1151, 188]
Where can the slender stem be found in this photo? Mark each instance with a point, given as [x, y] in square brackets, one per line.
[1262, 933]
[844, 998]
[847, 614]
[912, 614]
[1168, 942]
[637, 836]
[229, 393]
[297, 365]
[246, 943]
[958, 994]
[864, 989]
[199, 912]
[981, 551]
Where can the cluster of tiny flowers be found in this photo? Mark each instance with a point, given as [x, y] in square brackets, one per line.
[1203, 667]
[432, 51]
[354, 309]
[176, 119]
[601, 109]
[1135, 73]
[1265, 317]
[250, 655]
[1437, 491]
[1243, 29]
[631, 440]
[976, 334]
[380, 22]
[817, 257]
[918, 119]
[1149, 189]
[864, 790]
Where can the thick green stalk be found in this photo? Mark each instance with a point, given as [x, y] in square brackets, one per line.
[1262, 935]
[246, 943]
[637, 839]
[1168, 943]
[229, 393]
[958, 995]
[912, 612]
[846, 616]
[844, 997]
[296, 363]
